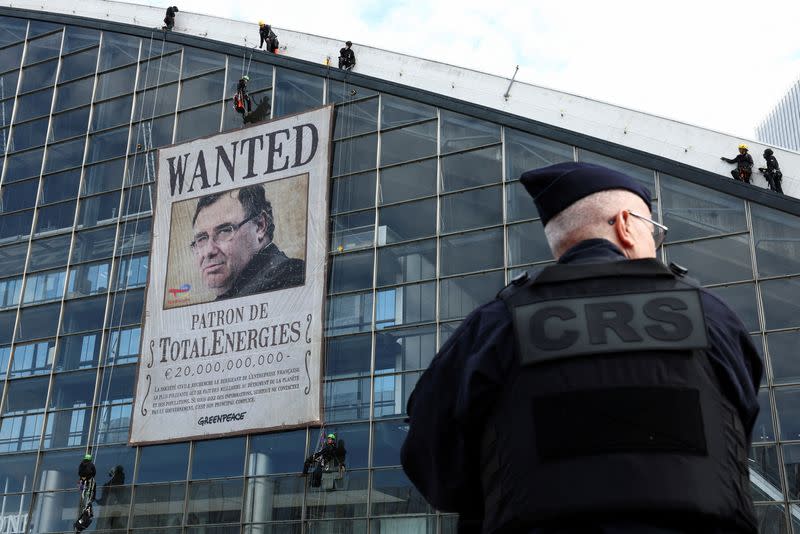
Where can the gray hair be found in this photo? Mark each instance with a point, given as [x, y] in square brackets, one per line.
[588, 218]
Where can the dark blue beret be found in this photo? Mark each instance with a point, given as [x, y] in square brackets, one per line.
[558, 186]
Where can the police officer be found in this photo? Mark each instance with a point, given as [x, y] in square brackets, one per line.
[603, 394]
[772, 172]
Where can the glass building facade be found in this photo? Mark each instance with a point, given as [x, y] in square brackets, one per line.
[428, 220]
[781, 127]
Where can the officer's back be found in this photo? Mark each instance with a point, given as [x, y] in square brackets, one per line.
[603, 394]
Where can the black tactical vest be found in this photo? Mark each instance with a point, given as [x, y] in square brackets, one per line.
[612, 411]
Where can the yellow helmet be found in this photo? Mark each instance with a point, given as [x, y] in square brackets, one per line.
[260, 22]
[743, 146]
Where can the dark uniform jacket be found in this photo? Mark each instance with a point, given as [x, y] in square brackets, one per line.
[742, 161]
[86, 470]
[454, 398]
[347, 57]
[269, 270]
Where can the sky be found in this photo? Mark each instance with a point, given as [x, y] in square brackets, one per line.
[722, 65]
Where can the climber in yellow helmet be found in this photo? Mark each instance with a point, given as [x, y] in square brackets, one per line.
[744, 165]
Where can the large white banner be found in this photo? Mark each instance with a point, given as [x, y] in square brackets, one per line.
[232, 337]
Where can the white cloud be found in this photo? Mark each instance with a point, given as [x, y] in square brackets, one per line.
[717, 64]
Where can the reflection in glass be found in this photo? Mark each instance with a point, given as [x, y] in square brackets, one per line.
[296, 91]
[32, 359]
[274, 498]
[66, 428]
[460, 132]
[391, 393]
[219, 501]
[347, 400]
[350, 272]
[403, 222]
[396, 111]
[357, 118]
[354, 154]
[21, 433]
[787, 404]
[48, 253]
[348, 314]
[765, 478]
[691, 210]
[406, 263]
[742, 299]
[352, 231]
[74, 94]
[783, 356]
[527, 244]
[69, 124]
[55, 217]
[198, 122]
[353, 192]
[25, 396]
[781, 306]
[764, 430]
[159, 463]
[77, 65]
[118, 49]
[38, 76]
[123, 345]
[198, 91]
[340, 504]
[409, 143]
[78, 352]
[475, 251]
[38, 322]
[159, 505]
[408, 181]
[392, 493]
[714, 261]
[404, 349]
[348, 356]
[459, 296]
[281, 452]
[217, 458]
[409, 304]
[471, 169]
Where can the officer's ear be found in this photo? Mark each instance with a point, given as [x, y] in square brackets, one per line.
[622, 230]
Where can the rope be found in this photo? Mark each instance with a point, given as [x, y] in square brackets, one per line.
[147, 148]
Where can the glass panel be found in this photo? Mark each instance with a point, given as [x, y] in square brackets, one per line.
[67, 428]
[19, 196]
[781, 307]
[791, 463]
[70, 124]
[44, 286]
[196, 61]
[350, 272]
[525, 152]
[134, 236]
[349, 314]
[527, 244]
[74, 94]
[43, 48]
[141, 168]
[73, 390]
[405, 349]
[357, 118]
[115, 83]
[26, 395]
[214, 502]
[407, 263]
[296, 92]
[472, 209]
[405, 144]
[83, 315]
[742, 299]
[158, 506]
[55, 217]
[15, 226]
[787, 403]
[159, 463]
[344, 91]
[460, 132]
[154, 102]
[8, 88]
[16, 472]
[353, 192]
[783, 355]
[694, 211]
[470, 169]
[771, 519]
[77, 37]
[644, 176]
[126, 308]
[55, 512]
[64, 155]
[32, 359]
[404, 305]
[12, 30]
[152, 134]
[350, 503]
[39, 76]
[271, 498]
[407, 221]
[23, 165]
[38, 27]
[117, 384]
[348, 356]
[160, 70]
[777, 240]
[47, 253]
[117, 50]
[396, 111]
[458, 252]
[392, 493]
[12, 259]
[21, 433]
[391, 393]
[354, 155]
[356, 230]
[276, 453]
[112, 506]
[7, 329]
[10, 290]
[132, 272]
[112, 113]
[38, 322]
[99, 209]
[56, 471]
[202, 90]
[33, 105]
[198, 122]
[459, 296]
[78, 65]
[103, 177]
[764, 430]
[78, 352]
[113, 423]
[94, 244]
[109, 144]
[217, 458]
[123, 346]
[28, 135]
[355, 437]
[408, 181]
[347, 400]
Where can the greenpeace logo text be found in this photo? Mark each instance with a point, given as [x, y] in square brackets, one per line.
[224, 418]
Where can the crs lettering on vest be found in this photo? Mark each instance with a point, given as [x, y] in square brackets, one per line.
[565, 328]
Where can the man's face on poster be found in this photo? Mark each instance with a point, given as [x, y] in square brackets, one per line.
[225, 240]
